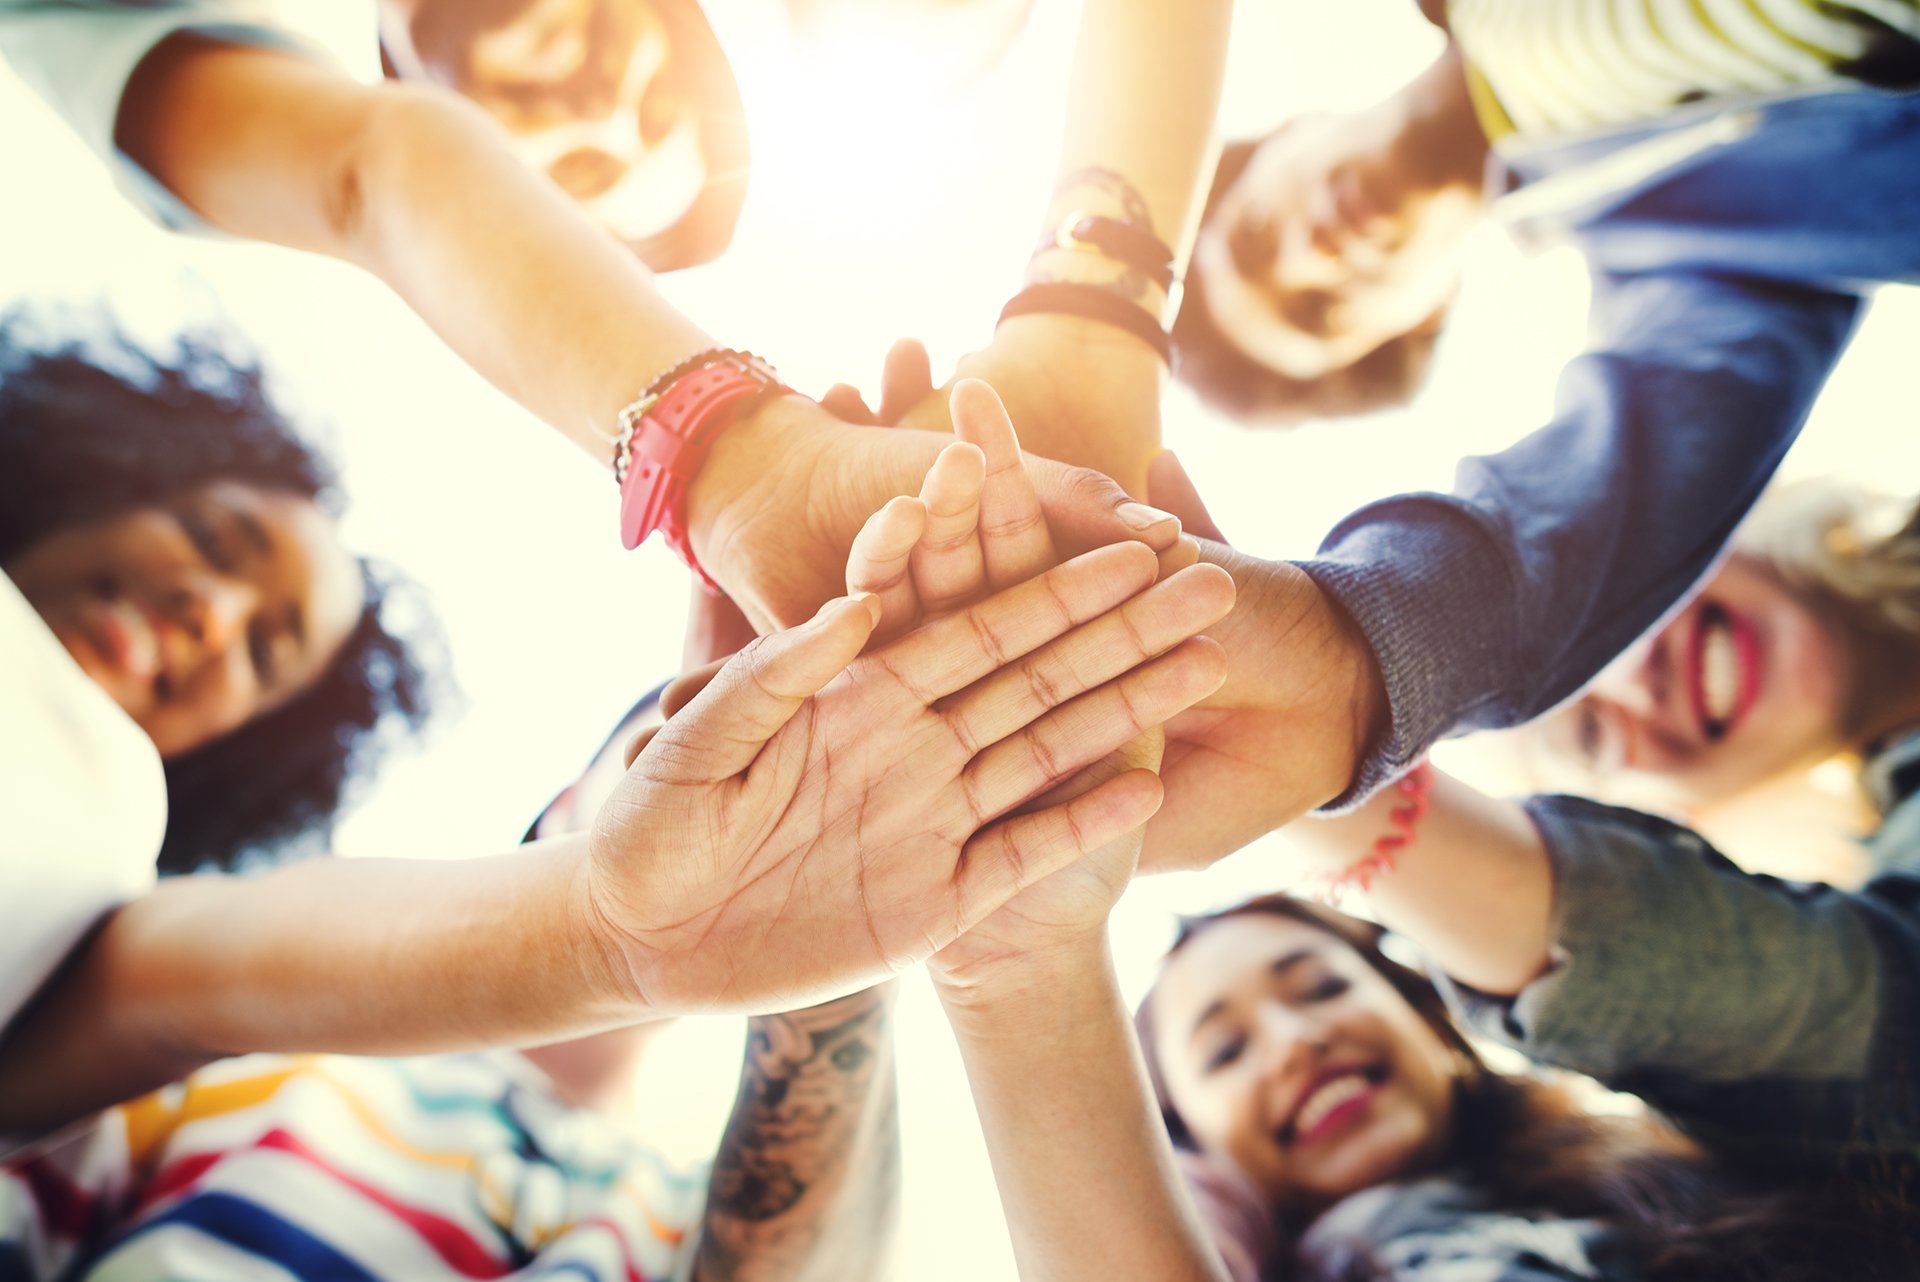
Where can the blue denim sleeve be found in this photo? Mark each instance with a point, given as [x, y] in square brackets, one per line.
[1487, 606]
[1765, 1017]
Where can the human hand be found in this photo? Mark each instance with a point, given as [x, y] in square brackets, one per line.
[1081, 391]
[975, 525]
[1302, 702]
[784, 491]
[813, 821]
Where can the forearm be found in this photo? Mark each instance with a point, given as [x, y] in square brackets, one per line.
[419, 188]
[1141, 107]
[806, 1184]
[371, 957]
[1071, 1126]
[1474, 888]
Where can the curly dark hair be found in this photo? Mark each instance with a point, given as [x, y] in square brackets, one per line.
[1677, 1212]
[1240, 387]
[90, 428]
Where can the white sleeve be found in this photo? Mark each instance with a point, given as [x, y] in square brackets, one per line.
[79, 54]
[84, 800]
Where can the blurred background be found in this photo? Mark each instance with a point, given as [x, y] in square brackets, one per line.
[899, 174]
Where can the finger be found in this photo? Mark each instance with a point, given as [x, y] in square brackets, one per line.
[758, 691]
[905, 380]
[950, 654]
[1148, 625]
[1171, 489]
[1081, 732]
[843, 401]
[1007, 857]
[1013, 530]
[1184, 552]
[880, 562]
[638, 744]
[716, 628]
[1087, 509]
[947, 567]
[680, 691]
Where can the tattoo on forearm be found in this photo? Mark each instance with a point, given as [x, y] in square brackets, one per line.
[815, 1115]
[1105, 191]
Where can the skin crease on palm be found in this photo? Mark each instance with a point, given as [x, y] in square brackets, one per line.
[200, 613]
[1286, 1053]
[1744, 684]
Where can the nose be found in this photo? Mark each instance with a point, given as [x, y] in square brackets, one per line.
[214, 610]
[1291, 1041]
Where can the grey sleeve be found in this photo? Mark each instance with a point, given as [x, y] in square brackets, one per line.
[78, 57]
[1746, 1007]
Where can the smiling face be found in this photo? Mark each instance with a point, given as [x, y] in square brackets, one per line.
[599, 95]
[200, 613]
[1285, 1052]
[1745, 683]
[1335, 240]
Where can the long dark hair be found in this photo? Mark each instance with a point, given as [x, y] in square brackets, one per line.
[1528, 1144]
[92, 428]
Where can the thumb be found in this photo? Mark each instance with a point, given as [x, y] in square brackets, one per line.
[905, 380]
[1088, 509]
[1171, 489]
[723, 729]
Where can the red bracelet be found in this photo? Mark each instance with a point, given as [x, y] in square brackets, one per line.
[664, 438]
[1417, 787]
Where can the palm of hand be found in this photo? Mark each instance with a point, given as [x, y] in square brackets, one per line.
[776, 921]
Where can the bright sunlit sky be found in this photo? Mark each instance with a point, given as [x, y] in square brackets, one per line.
[881, 206]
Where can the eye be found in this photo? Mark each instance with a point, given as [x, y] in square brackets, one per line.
[1224, 1054]
[260, 651]
[207, 539]
[1587, 733]
[1326, 989]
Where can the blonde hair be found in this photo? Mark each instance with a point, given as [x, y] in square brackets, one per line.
[1845, 546]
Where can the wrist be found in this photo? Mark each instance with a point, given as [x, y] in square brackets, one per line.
[757, 477]
[607, 961]
[1022, 992]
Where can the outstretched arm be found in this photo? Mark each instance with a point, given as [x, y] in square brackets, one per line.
[418, 187]
[813, 821]
[1138, 148]
[806, 1185]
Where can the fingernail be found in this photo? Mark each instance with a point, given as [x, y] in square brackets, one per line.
[872, 602]
[1141, 517]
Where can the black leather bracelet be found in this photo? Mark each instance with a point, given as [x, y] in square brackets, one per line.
[1091, 303]
[1121, 241]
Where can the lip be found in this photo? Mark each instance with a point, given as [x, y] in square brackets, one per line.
[1375, 1077]
[1746, 649]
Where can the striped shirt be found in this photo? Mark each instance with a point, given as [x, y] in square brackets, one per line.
[1551, 66]
[446, 1167]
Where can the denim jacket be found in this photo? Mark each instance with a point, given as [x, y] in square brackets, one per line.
[1732, 246]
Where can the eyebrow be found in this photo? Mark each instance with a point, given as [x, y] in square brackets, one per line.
[1281, 965]
[255, 532]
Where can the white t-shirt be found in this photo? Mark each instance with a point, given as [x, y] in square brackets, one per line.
[83, 803]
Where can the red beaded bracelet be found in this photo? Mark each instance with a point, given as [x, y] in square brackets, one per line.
[1416, 786]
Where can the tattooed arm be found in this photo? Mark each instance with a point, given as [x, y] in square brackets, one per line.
[806, 1184]
[1138, 148]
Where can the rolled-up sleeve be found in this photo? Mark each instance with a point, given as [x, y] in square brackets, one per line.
[78, 56]
[1746, 1007]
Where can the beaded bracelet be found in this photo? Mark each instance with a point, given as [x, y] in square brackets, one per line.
[1416, 786]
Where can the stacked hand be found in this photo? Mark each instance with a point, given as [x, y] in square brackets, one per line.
[816, 819]
[976, 526]
[785, 490]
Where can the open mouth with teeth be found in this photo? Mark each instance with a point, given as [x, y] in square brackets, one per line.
[1723, 669]
[1330, 1101]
